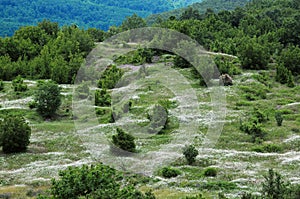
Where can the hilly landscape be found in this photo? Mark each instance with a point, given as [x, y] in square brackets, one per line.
[84, 13]
[203, 103]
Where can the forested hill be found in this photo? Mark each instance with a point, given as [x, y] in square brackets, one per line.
[216, 5]
[85, 13]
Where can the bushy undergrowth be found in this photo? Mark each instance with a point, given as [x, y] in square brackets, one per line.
[95, 181]
[14, 134]
[169, 172]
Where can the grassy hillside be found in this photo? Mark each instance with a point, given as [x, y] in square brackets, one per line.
[85, 13]
[152, 103]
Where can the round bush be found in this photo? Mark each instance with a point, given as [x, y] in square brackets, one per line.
[168, 172]
[14, 134]
[212, 172]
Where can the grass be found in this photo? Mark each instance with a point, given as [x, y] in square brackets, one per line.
[55, 143]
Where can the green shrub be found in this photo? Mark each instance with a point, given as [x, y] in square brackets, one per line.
[48, 98]
[284, 76]
[254, 129]
[137, 57]
[190, 153]
[268, 148]
[102, 98]
[32, 104]
[14, 134]
[168, 172]
[124, 141]
[227, 65]
[95, 181]
[18, 84]
[279, 118]
[210, 172]
[274, 186]
[110, 77]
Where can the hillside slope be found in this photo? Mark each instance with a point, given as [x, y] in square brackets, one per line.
[216, 5]
[85, 13]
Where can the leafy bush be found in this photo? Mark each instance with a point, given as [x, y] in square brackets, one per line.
[48, 98]
[279, 118]
[290, 58]
[190, 153]
[212, 172]
[110, 77]
[124, 141]
[18, 84]
[227, 65]
[274, 186]
[32, 104]
[168, 172]
[268, 148]
[14, 134]
[102, 98]
[254, 129]
[254, 91]
[284, 76]
[95, 181]
[219, 185]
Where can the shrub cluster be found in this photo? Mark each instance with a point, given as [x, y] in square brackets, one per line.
[14, 134]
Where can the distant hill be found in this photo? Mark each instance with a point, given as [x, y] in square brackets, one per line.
[216, 5]
[85, 13]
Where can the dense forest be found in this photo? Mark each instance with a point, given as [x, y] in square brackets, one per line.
[88, 13]
[216, 5]
[260, 33]
[259, 38]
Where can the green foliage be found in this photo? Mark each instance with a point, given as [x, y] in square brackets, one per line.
[168, 172]
[253, 126]
[95, 181]
[219, 185]
[18, 84]
[133, 22]
[14, 134]
[290, 59]
[253, 55]
[227, 65]
[137, 57]
[48, 98]
[94, 13]
[102, 98]
[254, 91]
[110, 77]
[284, 76]
[279, 118]
[124, 141]
[274, 186]
[190, 153]
[268, 148]
[210, 172]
